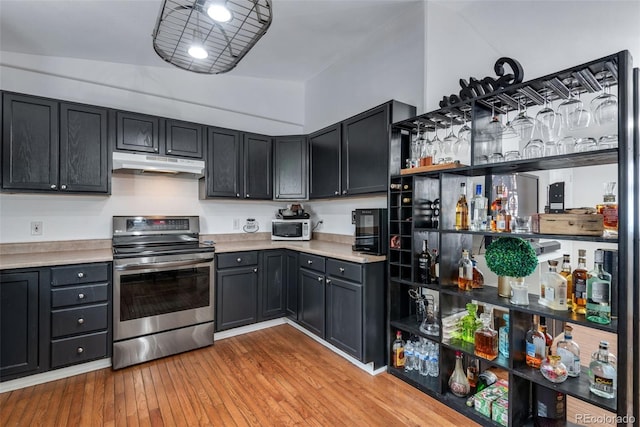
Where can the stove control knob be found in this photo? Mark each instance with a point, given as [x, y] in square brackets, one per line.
[80, 296]
[80, 321]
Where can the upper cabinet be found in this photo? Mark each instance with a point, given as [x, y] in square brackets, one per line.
[53, 146]
[151, 134]
[291, 168]
[238, 165]
[324, 162]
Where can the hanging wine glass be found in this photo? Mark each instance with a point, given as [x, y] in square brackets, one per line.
[548, 121]
[605, 107]
[495, 127]
[437, 147]
[450, 140]
[463, 143]
[523, 125]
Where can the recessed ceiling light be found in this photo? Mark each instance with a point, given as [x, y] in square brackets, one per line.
[197, 51]
[219, 12]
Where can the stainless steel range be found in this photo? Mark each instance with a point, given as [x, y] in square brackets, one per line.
[163, 288]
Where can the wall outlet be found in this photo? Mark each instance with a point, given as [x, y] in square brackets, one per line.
[36, 228]
[236, 223]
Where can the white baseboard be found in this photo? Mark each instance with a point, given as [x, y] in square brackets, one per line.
[249, 328]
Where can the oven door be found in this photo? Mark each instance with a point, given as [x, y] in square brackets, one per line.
[154, 294]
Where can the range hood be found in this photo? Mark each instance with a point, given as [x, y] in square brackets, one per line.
[143, 163]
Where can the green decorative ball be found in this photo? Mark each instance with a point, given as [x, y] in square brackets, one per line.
[511, 256]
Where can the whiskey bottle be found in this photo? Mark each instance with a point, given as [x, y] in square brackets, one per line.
[599, 292]
[566, 273]
[486, 339]
[609, 210]
[503, 218]
[478, 210]
[397, 351]
[603, 372]
[462, 209]
[424, 264]
[435, 265]
[465, 272]
[496, 207]
[553, 288]
[579, 275]
[548, 339]
[478, 278]
[569, 352]
[535, 342]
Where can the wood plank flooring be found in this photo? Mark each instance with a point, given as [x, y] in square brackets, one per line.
[272, 377]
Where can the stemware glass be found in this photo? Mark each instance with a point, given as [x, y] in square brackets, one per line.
[450, 140]
[550, 148]
[605, 107]
[548, 121]
[437, 147]
[533, 149]
[585, 144]
[567, 108]
[523, 125]
[566, 145]
[495, 128]
[512, 155]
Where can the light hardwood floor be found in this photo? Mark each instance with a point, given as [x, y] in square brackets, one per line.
[272, 377]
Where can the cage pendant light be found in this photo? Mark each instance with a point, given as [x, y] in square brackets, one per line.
[183, 24]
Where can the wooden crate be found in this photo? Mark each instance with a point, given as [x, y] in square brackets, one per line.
[569, 224]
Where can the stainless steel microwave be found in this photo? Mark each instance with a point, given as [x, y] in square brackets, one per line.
[291, 229]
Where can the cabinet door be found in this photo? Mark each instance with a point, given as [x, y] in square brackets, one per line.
[236, 297]
[311, 311]
[365, 152]
[273, 277]
[29, 143]
[137, 132]
[257, 166]
[291, 168]
[324, 162]
[183, 139]
[84, 162]
[344, 316]
[224, 165]
[19, 325]
[292, 284]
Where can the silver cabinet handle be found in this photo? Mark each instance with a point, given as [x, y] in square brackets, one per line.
[328, 281]
[80, 296]
[53, 186]
[237, 194]
[239, 259]
[255, 270]
[341, 269]
[80, 350]
[80, 275]
[63, 187]
[168, 151]
[344, 191]
[336, 192]
[80, 321]
[309, 262]
[320, 279]
[248, 196]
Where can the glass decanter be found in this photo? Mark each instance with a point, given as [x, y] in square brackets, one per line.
[469, 323]
[458, 382]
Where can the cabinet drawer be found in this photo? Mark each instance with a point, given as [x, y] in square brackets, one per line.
[69, 351]
[237, 259]
[345, 270]
[77, 295]
[81, 273]
[78, 320]
[312, 262]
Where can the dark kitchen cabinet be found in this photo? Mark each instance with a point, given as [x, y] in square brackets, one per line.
[183, 139]
[137, 132]
[236, 289]
[324, 162]
[291, 168]
[238, 165]
[311, 311]
[292, 285]
[344, 315]
[273, 282]
[52, 146]
[24, 323]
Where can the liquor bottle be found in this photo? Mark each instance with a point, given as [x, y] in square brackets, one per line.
[395, 186]
[435, 265]
[549, 407]
[503, 218]
[579, 275]
[478, 278]
[569, 352]
[566, 273]
[503, 337]
[599, 292]
[548, 339]
[486, 339]
[462, 210]
[465, 272]
[398, 351]
[458, 382]
[496, 206]
[535, 346]
[603, 372]
[609, 210]
[478, 210]
[473, 370]
[553, 288]
[424, 264]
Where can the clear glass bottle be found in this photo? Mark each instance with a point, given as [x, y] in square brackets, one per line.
[424, 264]
[458, 383]
[479, 205]
[609, 210]
[503, 218]
[469, 323]
[599, 292]
[579, 275]
[486, 339]
[398, 351]
[496, 207]
[478, 278]
[569, 352]
[503, 337]
[535, 345]
[566, 273]
[465, 272]
[473, 371]
[462, 209]
[603, 372]
[553, 288]
[409, 356]
[553, 369]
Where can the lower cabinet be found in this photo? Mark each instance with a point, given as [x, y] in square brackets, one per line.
[344, 316]
[24, 323]
[311, 312]
[236, 289]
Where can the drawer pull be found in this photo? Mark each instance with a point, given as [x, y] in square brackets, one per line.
[309, 262]
[80, 350]
[239, 259]
[328, 281]
[53, 186]
[341, 269]
[255, 270]
[80, 275]
[80, 296]
[80, 321]
[320, 279]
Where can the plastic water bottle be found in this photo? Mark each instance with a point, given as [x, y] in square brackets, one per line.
[434, 369]
[424, 360]
[409, 356]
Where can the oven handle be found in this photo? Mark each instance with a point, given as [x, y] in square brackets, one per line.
[146, 265]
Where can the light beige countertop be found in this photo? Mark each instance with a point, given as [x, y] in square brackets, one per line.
[45, 254]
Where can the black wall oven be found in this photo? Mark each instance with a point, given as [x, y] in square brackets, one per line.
[371, 231]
